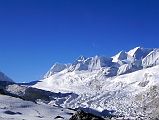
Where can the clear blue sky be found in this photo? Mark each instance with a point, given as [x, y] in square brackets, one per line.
[36, 33]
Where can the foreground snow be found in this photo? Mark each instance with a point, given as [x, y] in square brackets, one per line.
[16, 109]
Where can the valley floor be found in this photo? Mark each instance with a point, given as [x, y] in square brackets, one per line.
[16, 109]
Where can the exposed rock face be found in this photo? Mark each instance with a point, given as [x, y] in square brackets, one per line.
[81, 115]
[3, 85]
[34, 94]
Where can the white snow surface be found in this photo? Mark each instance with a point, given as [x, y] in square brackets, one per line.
[16, 109]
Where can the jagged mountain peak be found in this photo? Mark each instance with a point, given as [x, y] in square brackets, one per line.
[57, 67]
[122, 55]
[121, 63]
[139, 52]
[81, 58]
[134, 50]
[90, 63]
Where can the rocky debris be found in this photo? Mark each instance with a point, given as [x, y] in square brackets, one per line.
[58, 117]
[148, 103]
[12, 113]
[3, 85]
[143, 83]
[34, 94]
[81, 115]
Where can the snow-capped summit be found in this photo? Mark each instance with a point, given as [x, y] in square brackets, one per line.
[98, 62]
[134, 54]
[133, 51]
[57, 67]
[139, 52]
[123, 62]
[81, 58]
[120, 56]
[92, 63]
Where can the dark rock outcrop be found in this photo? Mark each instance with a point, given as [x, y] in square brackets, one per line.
[34, 94]
[81, 115]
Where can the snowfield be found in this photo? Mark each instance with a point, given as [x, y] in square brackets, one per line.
[16, 109]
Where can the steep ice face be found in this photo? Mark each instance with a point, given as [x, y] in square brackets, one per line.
[98, 62]
[55, 69]
[139, 53]
[151, 59]
[133, 60]
[3, 77]
[131, 56]
[92, 63]
[124, 68]
[120, 56]
[78, 64]
[133, 51]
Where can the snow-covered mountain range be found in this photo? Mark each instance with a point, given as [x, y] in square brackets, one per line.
[127, 83]
[124, 62]
[124, 86]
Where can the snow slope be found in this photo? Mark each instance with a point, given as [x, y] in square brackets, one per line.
[95, 91]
